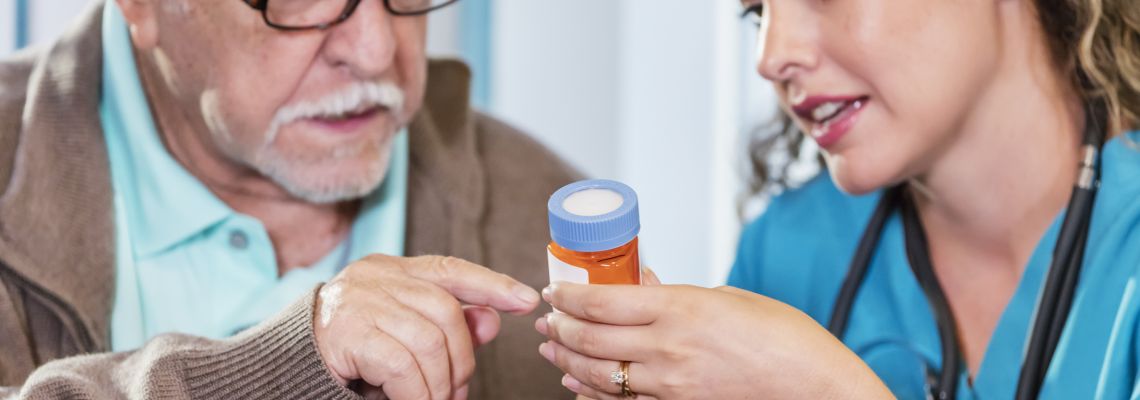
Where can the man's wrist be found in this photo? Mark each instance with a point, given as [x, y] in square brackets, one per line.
[276, 359]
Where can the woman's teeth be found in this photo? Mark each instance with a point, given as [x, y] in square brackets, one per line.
[826, 111]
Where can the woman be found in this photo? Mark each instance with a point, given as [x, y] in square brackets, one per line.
[962, 123]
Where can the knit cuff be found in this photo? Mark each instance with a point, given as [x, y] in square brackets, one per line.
[276, 359]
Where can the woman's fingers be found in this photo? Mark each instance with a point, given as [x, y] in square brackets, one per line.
[609, 304]
[597, 340]
[594, 374]
[648, 277]
[587, 393]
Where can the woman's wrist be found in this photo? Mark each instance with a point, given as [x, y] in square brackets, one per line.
[855, 380]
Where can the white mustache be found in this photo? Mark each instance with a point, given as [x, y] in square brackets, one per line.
[353, 98]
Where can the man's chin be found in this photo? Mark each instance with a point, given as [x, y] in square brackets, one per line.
[327, 185]
[331, 193]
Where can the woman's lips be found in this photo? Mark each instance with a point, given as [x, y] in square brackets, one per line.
[830, 118]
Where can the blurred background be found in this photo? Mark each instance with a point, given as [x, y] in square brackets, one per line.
[662, 95]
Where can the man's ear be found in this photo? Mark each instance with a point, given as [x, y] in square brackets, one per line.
[142, 20]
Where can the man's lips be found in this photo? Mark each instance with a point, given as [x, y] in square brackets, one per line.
[362, 112]
[349, 121]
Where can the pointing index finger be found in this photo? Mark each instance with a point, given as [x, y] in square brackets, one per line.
[474, 284]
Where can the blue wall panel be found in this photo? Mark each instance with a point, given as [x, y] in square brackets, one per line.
[475, 28]
[21, 25]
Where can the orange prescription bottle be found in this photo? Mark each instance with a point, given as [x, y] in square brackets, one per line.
[594, 226]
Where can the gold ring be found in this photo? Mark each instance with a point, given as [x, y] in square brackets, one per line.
[625, 390]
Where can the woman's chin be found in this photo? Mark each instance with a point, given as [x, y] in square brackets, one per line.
[856, 182]
[854, 189]
[859, 170]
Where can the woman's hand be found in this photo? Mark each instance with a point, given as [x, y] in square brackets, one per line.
[686, 342]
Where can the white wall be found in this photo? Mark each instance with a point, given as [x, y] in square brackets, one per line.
[50, 18]
[443, 33]
[672, 103]
[7, 26]
[646, 93]
[556, 72]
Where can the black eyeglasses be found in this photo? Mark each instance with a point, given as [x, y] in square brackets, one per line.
[298, 15]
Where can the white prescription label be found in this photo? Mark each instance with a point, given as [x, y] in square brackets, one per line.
[560, 271]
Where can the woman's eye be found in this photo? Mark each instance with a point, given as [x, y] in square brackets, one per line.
[754, 13]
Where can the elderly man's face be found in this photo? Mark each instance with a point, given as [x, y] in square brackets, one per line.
[313, 110]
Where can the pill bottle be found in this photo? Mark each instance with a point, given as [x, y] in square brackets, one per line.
[593, 227]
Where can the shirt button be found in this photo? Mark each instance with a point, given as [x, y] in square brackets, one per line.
[239, 240]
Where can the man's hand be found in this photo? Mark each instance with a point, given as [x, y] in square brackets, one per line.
[409, 326]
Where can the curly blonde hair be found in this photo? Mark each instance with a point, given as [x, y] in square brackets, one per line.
[1097, 43]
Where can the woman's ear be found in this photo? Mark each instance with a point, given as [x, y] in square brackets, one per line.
[142, 22]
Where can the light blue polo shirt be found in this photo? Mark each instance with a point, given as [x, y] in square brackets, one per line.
[185, 261]
[799, 251]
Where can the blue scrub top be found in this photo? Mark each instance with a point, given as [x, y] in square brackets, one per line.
[799, 251]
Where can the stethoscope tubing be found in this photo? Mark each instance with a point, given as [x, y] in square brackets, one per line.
[1057, 294]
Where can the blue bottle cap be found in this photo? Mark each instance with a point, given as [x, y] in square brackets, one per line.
[593, 215]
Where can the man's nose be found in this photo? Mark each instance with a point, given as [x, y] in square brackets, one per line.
[365, 44]
[788, 42]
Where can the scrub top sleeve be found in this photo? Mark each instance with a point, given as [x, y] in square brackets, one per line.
[746, 270]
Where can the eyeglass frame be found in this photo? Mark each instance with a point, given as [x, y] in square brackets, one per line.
[349, 9]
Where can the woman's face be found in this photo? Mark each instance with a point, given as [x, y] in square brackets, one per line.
[884, 86]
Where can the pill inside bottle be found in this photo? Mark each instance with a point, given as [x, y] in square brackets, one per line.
[594, 226]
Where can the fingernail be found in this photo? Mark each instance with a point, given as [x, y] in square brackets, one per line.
[570, 383]
[542, 326]
[547, 293]
[547, 351]
[526, 294]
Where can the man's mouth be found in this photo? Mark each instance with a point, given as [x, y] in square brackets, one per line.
[350, 122]
[363, 112]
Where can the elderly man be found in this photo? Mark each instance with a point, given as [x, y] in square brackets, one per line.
[177, 177]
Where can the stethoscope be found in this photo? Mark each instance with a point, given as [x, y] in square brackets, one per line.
[1052, 307]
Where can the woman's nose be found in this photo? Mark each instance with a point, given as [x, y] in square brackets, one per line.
[787, 41]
